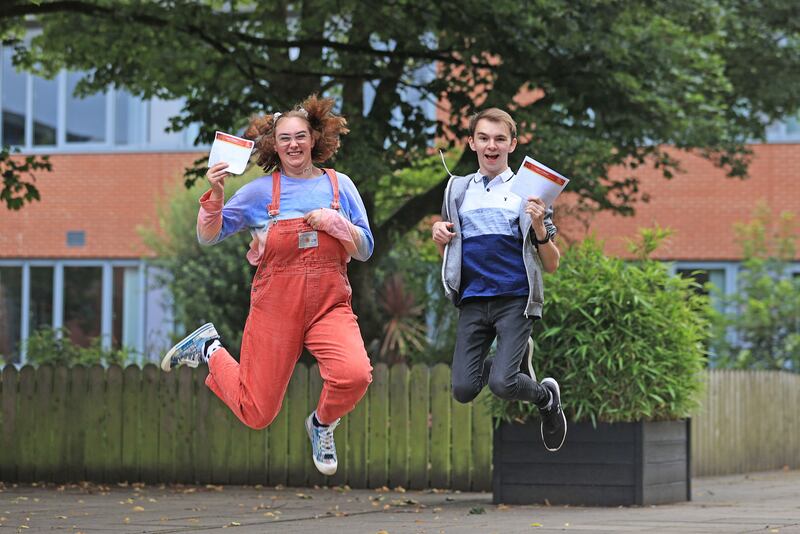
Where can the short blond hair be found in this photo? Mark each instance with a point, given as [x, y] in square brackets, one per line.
[494, 115]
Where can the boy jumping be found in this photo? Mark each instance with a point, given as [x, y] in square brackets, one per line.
[496, 245]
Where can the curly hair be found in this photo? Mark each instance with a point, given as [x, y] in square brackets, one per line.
[326, 129]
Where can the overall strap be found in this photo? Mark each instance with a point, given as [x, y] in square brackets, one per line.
[335, 186]
[274, 207]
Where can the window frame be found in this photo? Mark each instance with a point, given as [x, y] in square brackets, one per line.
[107, 306]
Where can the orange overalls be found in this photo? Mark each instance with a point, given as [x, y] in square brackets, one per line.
[300, 296]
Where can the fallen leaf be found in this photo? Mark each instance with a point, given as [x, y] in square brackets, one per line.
[477, 510]
[536, 524]
[138, 509]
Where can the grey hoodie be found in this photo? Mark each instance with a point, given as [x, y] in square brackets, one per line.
[451, 263]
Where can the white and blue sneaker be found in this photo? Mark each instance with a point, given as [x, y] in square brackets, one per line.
[323, 449]
[194, 349]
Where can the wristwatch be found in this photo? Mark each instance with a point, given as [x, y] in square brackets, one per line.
[536, 240]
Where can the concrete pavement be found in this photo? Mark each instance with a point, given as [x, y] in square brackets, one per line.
[760, 502]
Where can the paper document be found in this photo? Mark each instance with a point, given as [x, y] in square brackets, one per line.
[233, 150]
[534, 179]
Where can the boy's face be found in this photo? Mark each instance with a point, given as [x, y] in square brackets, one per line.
[493, 143]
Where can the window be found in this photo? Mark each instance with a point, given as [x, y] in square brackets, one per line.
[10, 302]
[717, 277]
[83, 290]
[105, 299]
[703, 277]
[40, 115]
[41, 301]
[45, 111]
[86, 116]
[14, 94]
[125, 317]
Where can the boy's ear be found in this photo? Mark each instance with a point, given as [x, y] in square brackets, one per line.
[471, 142]
[513, 145]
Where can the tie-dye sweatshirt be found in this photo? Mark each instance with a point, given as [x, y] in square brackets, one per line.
[248, 209]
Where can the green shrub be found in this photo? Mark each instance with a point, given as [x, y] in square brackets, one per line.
[624, 339]
[759, 325]
[53, 346]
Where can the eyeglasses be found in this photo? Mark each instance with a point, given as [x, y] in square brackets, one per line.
[286, 139]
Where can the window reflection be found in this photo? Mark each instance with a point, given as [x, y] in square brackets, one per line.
[41, 300]
[86, 116]
[45, 115]
[83, 288]
[10, 302]
[13, 98]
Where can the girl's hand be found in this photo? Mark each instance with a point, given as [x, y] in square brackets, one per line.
[216, 177]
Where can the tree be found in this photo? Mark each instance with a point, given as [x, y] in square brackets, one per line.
[759, 327]
[603, 83]
[16, 191]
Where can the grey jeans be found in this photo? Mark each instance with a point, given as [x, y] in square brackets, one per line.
[480, 321]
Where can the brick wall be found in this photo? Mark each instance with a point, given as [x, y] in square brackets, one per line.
[108, 196]
[702, 205]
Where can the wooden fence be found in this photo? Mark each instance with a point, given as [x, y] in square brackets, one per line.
[748, 421]
[69, 424]
[108, 425]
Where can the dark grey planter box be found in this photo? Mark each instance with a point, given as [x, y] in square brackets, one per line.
[614, 464]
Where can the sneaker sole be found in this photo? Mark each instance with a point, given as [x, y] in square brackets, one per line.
[563, 418]
[325, 469]
[165, 361]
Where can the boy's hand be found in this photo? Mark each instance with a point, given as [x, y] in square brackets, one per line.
[442, 233]
[536, 208]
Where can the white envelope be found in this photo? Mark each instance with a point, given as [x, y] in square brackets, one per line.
[535, 179]
[233, 150]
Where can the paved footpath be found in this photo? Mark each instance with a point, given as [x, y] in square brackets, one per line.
[760, 502]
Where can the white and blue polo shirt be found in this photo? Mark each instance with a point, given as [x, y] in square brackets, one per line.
[491, 259]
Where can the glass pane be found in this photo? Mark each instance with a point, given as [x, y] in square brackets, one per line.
[86, 117]
[13, 102]
[125, 321]
[45, 115]
[41, 307]
[10, 303]
[127, 119]
[83, 288]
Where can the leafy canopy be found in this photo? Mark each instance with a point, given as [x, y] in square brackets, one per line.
[608, 82]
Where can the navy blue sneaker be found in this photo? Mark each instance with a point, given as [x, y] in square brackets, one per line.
[554, 423]
[323, 449]
[191, 350]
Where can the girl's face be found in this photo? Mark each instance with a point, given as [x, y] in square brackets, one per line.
[293, 143]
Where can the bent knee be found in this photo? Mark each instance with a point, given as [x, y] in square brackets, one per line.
[504, 389]
[356, 377]
[258, 420]
[465, 393]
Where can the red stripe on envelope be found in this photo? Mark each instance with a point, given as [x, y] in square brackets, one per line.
[544, 173]
[234, 140]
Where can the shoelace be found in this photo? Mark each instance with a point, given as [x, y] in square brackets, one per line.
[326, 443]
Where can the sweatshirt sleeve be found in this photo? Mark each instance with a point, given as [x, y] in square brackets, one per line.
[215, 222]
[355, 235]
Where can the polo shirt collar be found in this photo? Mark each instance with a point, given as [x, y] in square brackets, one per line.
[506, 175]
